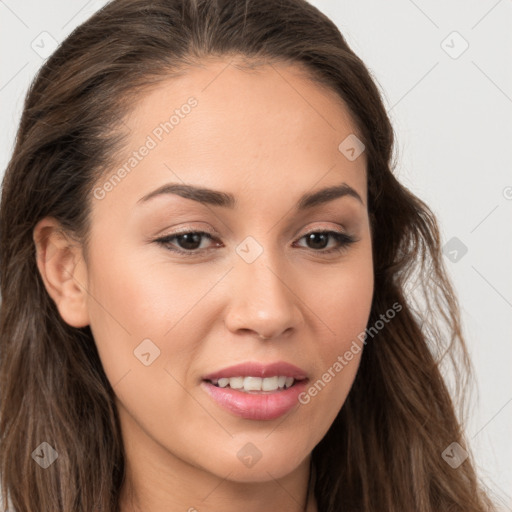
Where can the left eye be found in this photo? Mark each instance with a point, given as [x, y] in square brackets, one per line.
[190, 241]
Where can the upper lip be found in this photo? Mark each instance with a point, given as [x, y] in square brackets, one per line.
[256, 369]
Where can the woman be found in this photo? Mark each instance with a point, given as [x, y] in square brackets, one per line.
[206, 271]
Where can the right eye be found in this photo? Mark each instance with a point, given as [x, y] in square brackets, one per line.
[189, 240]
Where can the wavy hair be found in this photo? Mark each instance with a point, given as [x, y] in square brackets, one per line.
[384, 450]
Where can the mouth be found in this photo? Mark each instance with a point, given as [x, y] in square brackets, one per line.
[252, 384]
[256, 391]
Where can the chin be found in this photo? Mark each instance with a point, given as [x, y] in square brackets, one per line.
[251, 464]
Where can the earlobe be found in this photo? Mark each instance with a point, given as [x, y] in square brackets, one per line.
[63, 270]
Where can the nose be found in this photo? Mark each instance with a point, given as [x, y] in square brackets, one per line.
[263, 301]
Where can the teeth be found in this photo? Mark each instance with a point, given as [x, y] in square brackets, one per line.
[236, 382]
[223, 382]
[252, 383]
[255, 383]
[269, 384]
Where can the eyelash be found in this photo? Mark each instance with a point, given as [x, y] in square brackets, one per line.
[341, 238]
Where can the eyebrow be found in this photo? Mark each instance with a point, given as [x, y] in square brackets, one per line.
[227, 200]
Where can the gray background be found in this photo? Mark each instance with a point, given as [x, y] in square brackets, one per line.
[451, 108]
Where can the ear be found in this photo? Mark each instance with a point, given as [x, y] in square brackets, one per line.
[63, 270]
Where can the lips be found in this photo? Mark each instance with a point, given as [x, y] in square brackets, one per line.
[256, 405]
[255, 369]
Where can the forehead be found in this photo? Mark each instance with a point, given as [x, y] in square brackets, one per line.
[255, 131]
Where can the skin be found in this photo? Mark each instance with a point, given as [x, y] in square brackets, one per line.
[267, 136]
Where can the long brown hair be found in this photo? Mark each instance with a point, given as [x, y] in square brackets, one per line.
[384, 450]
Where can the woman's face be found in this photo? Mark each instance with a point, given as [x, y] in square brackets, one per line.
[164, 321]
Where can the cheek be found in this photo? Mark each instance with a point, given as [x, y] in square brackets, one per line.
[138, 291]
[142, 323]
[342, 306]
[342, 303]
[338, 351]
[137, 308]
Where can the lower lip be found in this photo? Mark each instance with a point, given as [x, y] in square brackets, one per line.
[256, 406]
